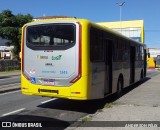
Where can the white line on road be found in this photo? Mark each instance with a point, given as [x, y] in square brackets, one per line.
[9, 113]
[10, 92]
[48, 100]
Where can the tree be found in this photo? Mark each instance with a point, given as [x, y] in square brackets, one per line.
[10, 28]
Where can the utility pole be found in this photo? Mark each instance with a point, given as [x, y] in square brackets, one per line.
[120, 12]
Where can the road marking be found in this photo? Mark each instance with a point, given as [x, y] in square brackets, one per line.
[48, 100]
[9, 113]
[10, 92]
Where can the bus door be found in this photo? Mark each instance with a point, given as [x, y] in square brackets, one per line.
[108, 63]
[132, 64]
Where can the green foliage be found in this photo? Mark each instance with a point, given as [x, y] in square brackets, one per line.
[10, 27]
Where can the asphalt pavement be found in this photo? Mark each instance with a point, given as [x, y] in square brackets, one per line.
[9, 81]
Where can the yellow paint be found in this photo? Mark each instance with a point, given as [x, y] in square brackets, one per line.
[64, 91]
[150, 62]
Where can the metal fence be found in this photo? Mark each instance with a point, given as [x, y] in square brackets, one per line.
[6, 65]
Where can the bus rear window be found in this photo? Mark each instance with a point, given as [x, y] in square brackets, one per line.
[60, 36]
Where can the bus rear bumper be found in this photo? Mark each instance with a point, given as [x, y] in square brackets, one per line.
[77, 91]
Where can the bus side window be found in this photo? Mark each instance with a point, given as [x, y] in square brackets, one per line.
[120, 47]
[126, 52]
[115, 52]
[96, 46]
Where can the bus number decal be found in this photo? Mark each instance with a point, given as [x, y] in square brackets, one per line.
[63, 72]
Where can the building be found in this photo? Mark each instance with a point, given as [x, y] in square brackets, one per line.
[133, 29]
[153, 52]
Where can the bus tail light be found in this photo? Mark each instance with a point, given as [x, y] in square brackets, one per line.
[75, 93]
[79, 57]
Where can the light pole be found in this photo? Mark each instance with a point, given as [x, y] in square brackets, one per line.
[120, 12]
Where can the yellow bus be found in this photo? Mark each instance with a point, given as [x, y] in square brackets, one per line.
[77, 59]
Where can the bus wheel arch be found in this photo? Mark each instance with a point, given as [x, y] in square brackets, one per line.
[120, 85]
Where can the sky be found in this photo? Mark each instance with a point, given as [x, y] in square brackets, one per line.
[95, 11]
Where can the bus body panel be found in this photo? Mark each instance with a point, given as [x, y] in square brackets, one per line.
[97, 80]
[42, 69]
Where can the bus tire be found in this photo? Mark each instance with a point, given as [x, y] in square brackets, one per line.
[120, 86]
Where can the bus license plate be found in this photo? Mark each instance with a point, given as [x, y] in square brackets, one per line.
[48, 82]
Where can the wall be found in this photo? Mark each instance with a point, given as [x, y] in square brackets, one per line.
[6, 65]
